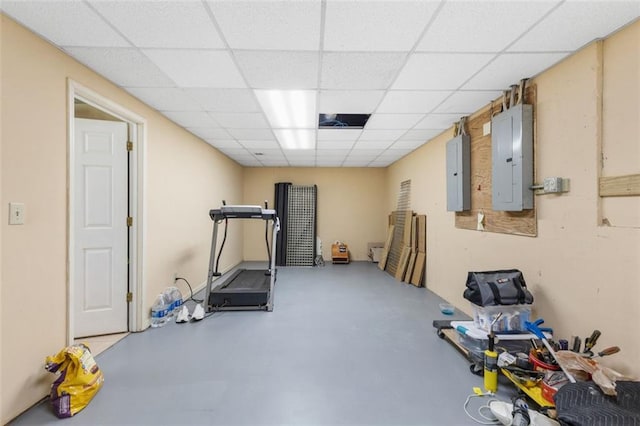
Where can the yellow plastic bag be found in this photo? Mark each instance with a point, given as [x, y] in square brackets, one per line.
[79, 380]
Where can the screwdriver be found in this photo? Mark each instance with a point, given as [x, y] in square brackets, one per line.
[608, 351]
[590, 342]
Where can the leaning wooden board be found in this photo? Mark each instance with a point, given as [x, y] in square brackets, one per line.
[387, 246]
[418, 269]
[410, 266]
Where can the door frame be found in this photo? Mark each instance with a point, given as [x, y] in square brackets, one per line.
[137, 200]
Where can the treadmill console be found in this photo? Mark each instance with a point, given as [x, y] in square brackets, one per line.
[242, 212]
[232, 211]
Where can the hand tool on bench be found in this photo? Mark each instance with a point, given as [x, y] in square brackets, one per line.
[590, 342]
[608, 351]
[534, 327]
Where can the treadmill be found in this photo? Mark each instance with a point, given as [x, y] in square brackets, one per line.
[242, 289]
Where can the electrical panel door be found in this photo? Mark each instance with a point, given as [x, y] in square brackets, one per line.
[512, 159]
[458, 176]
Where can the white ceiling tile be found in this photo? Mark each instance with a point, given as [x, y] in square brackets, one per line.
[271, 25]
[406, 144]
[394, 153]
[438, 121]
[464, 103]
[393, 121]
[299, 153]
[165, 99]
[225, 100]
[502, 22]
[420, 134]
[274, 163]
[309, 161]
[332, 153]
[210, 133]
[249, 162]
[260, 144]
[401, 101]
[223, 143]
[375, 25]
[365, 152]
[234, 151]
[241, 120]
[356, 162]
[279, 70]
[334, 144]
[384, 144]
[125, 67]
[65, 23]
[353, 71]
[228, 146]
[251, 134]
[378, 135]
[380, 163]
[268, 153]
[165, 24]
[197, 68]
[349, 101]
[576, 23]
[326, 162]
[339, 134]
[439, 71]
[191, 118]
[510, 68]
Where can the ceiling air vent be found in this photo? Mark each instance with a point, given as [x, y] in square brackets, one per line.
[340, 121]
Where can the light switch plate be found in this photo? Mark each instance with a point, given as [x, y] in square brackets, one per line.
[16, 213]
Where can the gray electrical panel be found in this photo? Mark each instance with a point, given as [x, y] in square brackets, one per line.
[512, 159]
[458, 175]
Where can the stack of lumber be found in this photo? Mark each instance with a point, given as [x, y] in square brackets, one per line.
[405, 250]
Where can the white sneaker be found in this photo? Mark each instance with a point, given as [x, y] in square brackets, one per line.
[183, 315]
[198, 313]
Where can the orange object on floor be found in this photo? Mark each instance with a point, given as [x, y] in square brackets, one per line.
[339, 253]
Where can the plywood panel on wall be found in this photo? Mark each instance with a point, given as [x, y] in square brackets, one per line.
[517, 223]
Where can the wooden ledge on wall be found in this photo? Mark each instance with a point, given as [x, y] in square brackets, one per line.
[620, 186]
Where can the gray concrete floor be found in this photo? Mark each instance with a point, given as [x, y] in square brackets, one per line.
[344, 345]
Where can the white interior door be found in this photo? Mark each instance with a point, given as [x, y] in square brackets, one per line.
[100, 227]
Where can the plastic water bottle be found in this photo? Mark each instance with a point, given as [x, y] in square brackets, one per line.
[176, 295]
[159, 312]
[168, 299]
[173, 298]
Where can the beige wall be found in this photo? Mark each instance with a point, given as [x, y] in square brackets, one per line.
[350, 206]
[184, 178]
[583, 276]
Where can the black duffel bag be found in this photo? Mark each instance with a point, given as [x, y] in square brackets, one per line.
[493, 288]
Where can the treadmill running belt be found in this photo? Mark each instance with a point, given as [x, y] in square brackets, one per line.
[245, 287]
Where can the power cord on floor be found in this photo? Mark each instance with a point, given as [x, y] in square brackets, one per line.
[486, 420]
[190, 291]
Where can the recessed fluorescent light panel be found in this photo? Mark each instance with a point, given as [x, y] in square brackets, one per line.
[288, 108]
[340, 121]
[296, 138]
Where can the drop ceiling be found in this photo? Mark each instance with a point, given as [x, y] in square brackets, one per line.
[415, 66]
